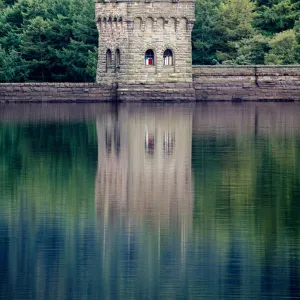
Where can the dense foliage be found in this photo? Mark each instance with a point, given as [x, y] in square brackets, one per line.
[47, 40]
[247, 32]
[56, 40]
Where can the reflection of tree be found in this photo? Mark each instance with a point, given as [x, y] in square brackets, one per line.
[247, 191]
[239, 238]
[47, 186]
[260, 175]
[44, 159]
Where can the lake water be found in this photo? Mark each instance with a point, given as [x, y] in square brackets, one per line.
[174, 201]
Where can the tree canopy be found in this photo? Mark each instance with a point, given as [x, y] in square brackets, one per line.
[246, 32]
[47, 40]
[56, 40]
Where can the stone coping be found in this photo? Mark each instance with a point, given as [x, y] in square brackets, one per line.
[55, 84]
[247, 66]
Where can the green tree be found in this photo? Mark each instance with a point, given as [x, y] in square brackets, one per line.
[54, 39]
[11, 66]
[277, 16]
[75, 60]
[297, 32]
[204, 37]
[2, 5]
[35, 48]
[252, 51]
[283, 49]
[92, 63]
[234, 19]
[76, 57]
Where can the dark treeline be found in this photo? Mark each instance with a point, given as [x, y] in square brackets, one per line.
[56, 40]
[47, 40]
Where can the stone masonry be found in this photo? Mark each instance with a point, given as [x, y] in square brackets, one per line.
[129, 30]
[210, 83]
[247, 83]
[56, 92]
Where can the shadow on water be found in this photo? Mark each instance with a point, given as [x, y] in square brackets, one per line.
[150, 201]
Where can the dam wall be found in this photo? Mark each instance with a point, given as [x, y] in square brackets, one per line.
[56, 92]
[247, 83]
[210, 83]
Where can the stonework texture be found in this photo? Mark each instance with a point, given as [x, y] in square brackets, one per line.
[127, 29]
[56, 92]
[210, 83]
[247, 83]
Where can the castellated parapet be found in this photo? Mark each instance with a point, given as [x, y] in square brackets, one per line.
[145, 42]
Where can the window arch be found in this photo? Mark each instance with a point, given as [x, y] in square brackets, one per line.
[168, 58]
[117, 58]
[149, 57]
[108, 59]
[149, 24]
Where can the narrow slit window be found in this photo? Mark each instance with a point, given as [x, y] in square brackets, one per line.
[149, 57]
[118, 58]
[168, 58]
[108, 59]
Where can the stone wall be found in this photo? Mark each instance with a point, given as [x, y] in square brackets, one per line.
[56, 92]
[245, 119]
[211, 83]
[176, 91]
[252, 83]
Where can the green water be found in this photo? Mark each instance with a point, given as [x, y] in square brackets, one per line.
[196, 201]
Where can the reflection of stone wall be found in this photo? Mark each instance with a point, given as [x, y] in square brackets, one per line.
[54, 112]
[144, 169]
[247, 118]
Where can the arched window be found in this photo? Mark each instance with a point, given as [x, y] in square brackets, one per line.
[168, 58]
[118, 58]
[149, 57]
[108, 59]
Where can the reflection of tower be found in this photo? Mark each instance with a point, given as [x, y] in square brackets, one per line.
[160, 188]
[111, 183]
[144, 167]
[144, 197]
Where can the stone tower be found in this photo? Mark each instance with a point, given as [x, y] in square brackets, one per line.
[145, 48]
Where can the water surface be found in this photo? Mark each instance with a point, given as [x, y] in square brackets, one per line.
[196, 201]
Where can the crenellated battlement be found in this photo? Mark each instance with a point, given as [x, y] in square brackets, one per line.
[145, 24]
